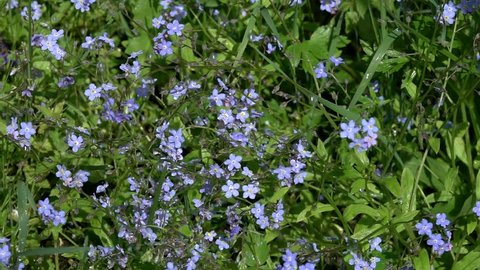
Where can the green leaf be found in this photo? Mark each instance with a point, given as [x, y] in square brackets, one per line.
[50, 251]
[245, 40]
[278, 194]
[407, 83]
[460, 150]
[477, 186]
[407, 187]
[393, 186]
[23, 216]
[434, 144]
[355, 209]
[422, 262]
[372, 67]
[471, 261]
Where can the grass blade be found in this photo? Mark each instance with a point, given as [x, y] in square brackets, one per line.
[372, 67]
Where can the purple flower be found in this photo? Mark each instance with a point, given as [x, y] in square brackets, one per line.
[210, 235]
[93, 92]
[476, 209]
[336, 60]
[176, 138]
[448, 14]
[283, 173]
[197, 203]
[369, 126]
[63, 173]
[158, 22]
[230, 189]
[233, 162]
[299, 178]
[216, 170]
[163, 48]
[75, 142]
[247, 172]
[221, 244]
[250, 191]
[375, 244]
[307, 266]
[330, 6]
[320, 71]
[258, 210]
[45, 209]
[89, 42]
[175, 28]
[263, 222]
[226, 116]
[5, 255]
[66, 82]
[216, 98]
[289, 259]
[58, 218]
[242, 116]
[442, 220]
[36, 10]
[82, 5]
[435, 240]
[271, 48]
[27, 130]
[424, 227]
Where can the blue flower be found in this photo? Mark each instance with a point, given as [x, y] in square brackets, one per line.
[263, 222]
[5, 255]
[216, 98]
[175, 28]
[93, 92]
[250, 191]
[258, 210]
[336, 60]
[163, 48]
[82, 5]
[476, 209]
[230, 189]
[233, 162]
[27, 130]
[442, 220]
[226, 116]
[221, 244]
[320, 71]
[375, 244]
[176, 138]
[210, 235]
[369, 126]
[75, 142]
[424, 227]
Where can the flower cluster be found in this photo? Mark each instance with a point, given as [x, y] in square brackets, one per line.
[97, 42]
[36, 10]
[290, 262]
[293, 173]
[469, 6]
[437, 241]
[82, 5]
[258, 211]
[22, 136]
[114, 255]
[50, 43]
[448, 13]
[5, 253]
[169, 25]
[49, 214]
[362, 137]
[320, 69]
[75, 181]
[330, 6]
[358, 262]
